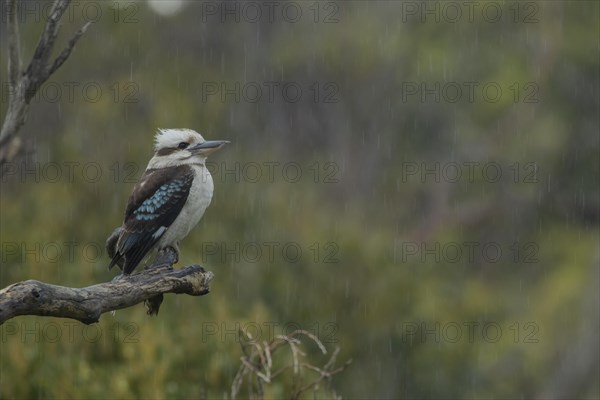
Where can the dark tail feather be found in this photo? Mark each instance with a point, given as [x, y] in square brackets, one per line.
[112, 248]
[115, 261]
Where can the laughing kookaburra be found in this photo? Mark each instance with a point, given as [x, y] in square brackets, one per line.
[170, 197]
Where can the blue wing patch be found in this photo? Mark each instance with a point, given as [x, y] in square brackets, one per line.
[153, 206]
[147, 210]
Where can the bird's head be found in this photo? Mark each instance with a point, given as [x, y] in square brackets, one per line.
[174, 147]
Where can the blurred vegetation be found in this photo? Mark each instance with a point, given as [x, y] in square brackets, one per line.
[376, 300]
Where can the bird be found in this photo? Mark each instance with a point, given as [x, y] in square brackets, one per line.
[169, 199]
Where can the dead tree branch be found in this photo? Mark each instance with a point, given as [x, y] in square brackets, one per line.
[23, 84]
[87, 304]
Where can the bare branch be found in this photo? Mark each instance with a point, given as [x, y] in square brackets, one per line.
[38, 68]
[87, 304]
[62, 57]
[24, 84]
[14, 46]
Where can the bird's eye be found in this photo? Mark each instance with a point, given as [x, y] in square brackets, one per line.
[182, 145]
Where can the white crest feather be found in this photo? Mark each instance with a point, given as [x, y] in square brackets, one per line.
[172, 137]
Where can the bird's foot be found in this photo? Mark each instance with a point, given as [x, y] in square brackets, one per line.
[172, 253]
[176, 251]
[165, 258]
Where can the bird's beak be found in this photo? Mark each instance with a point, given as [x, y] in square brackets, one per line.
[208, 147]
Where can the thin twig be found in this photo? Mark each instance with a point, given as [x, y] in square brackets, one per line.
[66, 52]
[14, 47]
[332, 359]
[310, 335]
[257, 364]
[24, 83]
[292, 342]
[38, 66]
[268, 355]
[323, 375]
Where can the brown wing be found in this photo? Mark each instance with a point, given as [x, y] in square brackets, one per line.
[155, 203]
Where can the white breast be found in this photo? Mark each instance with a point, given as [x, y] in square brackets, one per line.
[198, 200]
